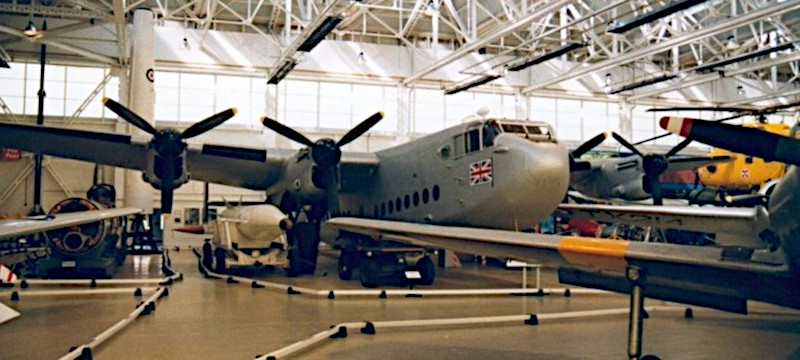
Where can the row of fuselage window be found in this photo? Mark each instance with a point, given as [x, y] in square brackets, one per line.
[406, 202]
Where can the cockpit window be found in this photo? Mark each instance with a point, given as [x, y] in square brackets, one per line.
[490, 130]
[513, 128]
[537, 130]
[473, 140]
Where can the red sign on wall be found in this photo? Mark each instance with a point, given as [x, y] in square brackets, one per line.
[10, 154]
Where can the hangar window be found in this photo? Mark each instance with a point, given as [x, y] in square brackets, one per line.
[472, 140]
[436, 193]
[407, 201]
[425, 196]
[416, 198]
[391, 206]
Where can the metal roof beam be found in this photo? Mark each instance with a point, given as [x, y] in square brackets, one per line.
[481, 42]
[772, 10]
[73, 49]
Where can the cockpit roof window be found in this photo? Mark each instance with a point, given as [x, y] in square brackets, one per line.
[513, 128]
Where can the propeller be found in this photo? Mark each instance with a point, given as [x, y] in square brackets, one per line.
[583, 149]
[654, 165]
[169, 159]
[759, 143]
[326, 153]
[759, 113]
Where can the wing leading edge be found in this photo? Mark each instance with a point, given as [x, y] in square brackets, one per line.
[32, 225]
[706, 276]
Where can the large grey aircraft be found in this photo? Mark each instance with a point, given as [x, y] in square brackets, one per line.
[722, 277]
[629, 178]
[488, 173]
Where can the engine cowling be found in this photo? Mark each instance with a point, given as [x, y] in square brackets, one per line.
[257, 223]
[79, 239]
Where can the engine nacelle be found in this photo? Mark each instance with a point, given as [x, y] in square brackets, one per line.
[80, 239]
[257, 225]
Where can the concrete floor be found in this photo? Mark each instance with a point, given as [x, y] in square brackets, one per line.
[210, 319]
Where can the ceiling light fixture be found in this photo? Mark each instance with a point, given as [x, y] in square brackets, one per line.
[740, 90]
[644, 83]
[319, 34]
[547, 56]
[185, 44]
[30, 30]
[607, 85]
[748, 56]
[478, 82]
[653, 16]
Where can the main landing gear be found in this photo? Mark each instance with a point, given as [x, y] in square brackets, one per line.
[303, 248]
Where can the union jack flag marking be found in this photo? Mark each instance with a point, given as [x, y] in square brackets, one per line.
[745, 173]
[480, 172]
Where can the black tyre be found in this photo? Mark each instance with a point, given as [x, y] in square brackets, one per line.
[304, 239]
[347, 263]
[426, 270]
[369, 272]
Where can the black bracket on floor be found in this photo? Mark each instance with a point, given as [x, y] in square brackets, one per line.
[256, 285]
[231, 280]
[14, 296]
[341, 334]
[93, 284]
[167, 282]
[382, 295]
[567, 293]
[23, 284]
[368, 329]
[163, 294]
[330, 295]
[532, 320]
[413, 295]
[688, 314]
[138, 292]
[86, 354]
[645, 314]
[271, 358]
[292, 291]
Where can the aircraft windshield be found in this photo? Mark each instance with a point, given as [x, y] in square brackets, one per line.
[535, 131]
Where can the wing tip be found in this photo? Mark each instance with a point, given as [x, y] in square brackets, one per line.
[105, 99]
[234, 110]
[676, 125]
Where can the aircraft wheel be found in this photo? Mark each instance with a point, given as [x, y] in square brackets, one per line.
[346, 265]
[369, 272]
[303, 253]
[427, 270]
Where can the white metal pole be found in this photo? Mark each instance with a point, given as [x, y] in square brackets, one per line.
[141, 100]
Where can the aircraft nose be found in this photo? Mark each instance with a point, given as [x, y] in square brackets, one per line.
[539, 175]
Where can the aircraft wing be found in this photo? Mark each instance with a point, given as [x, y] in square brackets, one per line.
[734, 226]
[707, 276]
[104, 148]
[35, 224]
[694, 162]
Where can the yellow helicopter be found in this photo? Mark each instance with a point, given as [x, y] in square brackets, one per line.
[744, 173]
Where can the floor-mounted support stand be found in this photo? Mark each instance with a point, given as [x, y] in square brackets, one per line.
[636, 313]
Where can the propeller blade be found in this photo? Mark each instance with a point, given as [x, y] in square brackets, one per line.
[286, 131]
[129, 116]
[759, 143]
[208, 124]
[652, 139]
[589, 145]
[699, 108]
[626, 144]
[682, 145]
[360, 129]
